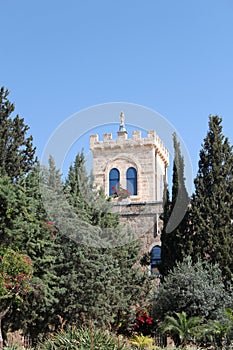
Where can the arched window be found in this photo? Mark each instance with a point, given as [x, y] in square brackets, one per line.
[131, 177]
[114, 180]
[155, 259]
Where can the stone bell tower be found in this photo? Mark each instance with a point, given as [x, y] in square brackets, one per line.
[132, 171]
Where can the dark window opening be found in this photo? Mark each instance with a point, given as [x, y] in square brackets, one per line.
[131, 177]
[155, 259]
[114, 180]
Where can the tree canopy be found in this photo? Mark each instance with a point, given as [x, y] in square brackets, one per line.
[85, 263]
[209, 232]
[174, 214]
[98, 279]
[17, 154]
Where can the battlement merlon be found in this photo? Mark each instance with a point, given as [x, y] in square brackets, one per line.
[152, 139]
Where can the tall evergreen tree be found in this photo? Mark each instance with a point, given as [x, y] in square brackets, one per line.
[26, 228]
[78, 188]
[16, 149]
[167, 239]
[96, 283]
[8, 212]
[174, 214]
[88, 203]
[38, 311]
[209, 234]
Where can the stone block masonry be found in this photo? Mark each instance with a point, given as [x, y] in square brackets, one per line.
[147, 155]
[144, 220]
[149, 159]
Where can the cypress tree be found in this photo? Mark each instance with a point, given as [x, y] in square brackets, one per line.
[174, 214]
[16, 149]
[166, 238]
[210, 230]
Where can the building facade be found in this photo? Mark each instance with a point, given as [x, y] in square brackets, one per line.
[133, 171]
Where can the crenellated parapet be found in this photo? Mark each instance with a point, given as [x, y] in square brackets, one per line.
[123, 142]
[132, 171]
[148, 157]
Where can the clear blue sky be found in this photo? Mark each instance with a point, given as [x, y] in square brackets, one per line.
[175, 57]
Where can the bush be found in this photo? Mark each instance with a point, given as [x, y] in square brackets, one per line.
[196, 288]
[144, 323]
[142, 342]
[82, 339]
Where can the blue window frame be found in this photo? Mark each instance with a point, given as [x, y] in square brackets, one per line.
[114, 180]
[155, 259]
[131, 177]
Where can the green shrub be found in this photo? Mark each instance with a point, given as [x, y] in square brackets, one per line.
[82, 339]
[142, 342]
[196, 288]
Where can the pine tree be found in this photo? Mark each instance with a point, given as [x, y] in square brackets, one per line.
[98, 284]
[174, 214]
[97, 281]
[210, 230]
[54, 178]
[29, 232]
[89, 203]
[16, 149]
[8, 212]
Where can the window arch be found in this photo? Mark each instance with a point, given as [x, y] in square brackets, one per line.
[114, 180]
[155, 259]
[131, 177]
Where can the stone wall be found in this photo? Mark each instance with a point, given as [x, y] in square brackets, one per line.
[147, 155]
[143, 218]
[150, 158]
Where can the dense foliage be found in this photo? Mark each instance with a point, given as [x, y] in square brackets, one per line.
[174, 214]
[96, 283]
[65, 257]
[15, 276]
[206, 229]
[16, 148]
[83, 339]
[209, 235]
[183, 329]
[196, 288]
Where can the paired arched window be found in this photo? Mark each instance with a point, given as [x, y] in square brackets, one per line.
[131, 180]
[114, 180]
[155, 259]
